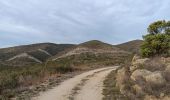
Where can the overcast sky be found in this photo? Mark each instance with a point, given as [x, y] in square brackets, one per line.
[76, 21]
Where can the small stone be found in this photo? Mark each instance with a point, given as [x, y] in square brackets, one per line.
[162, 95]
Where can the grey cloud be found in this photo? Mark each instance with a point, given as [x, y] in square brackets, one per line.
[75, 21]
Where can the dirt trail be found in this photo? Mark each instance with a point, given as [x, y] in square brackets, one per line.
[86, 86]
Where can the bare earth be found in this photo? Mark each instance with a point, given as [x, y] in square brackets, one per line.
[86, 86]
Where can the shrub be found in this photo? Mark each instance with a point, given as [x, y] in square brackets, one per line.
[157, 42]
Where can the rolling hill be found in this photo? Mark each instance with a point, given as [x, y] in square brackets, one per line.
[131, 46]
[28, 54]
[91, 53]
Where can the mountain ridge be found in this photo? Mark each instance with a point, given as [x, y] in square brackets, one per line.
[46, 51]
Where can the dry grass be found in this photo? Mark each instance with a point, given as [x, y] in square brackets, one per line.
[111, 92]
[155, 64]
[115, 84]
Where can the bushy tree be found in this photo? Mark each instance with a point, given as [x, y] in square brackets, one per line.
[159, 27]
[157, 42]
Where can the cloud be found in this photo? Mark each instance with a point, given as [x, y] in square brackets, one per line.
[75, 21]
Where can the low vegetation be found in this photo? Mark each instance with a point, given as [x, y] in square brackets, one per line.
[112, 84]
[34, 50]
[111, 91]
[14, 79]
[131, 46]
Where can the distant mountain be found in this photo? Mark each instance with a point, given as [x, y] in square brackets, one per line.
[34, 53]
[131, 46]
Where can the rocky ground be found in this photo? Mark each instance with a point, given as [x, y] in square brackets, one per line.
[145, 79]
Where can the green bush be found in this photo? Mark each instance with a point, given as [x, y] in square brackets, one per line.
[157, 44]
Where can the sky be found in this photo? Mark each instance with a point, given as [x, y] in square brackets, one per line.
[76, 21]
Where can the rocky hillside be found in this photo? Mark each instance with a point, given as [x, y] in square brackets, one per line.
[131, 46]
[145, 79]
[28, 54]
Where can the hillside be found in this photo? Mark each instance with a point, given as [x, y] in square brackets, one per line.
[34, 53]
[91, 53]
[131, 46]
[95, 44]
[62, 58]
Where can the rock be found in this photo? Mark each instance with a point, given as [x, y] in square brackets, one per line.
[139, 63]
[135, 58]
[155, 79]
[138, 90]
[162, 95]
[168, 68]
[139, 74]
[167, 60]
[167, 73]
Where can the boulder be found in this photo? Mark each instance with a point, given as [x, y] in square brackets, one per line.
[138, 90]
[139, 74]
[167, 60]
[155, 79]
[168, 68]
[139, 63]
[136, 57]
[167, 73]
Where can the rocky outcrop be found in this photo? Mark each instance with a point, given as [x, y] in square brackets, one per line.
[149, 79]
[155, 79]
[167, 73]
[137, 63]
[140, 74]
[138, 89]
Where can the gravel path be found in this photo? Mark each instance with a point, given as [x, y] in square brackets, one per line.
[86, 86]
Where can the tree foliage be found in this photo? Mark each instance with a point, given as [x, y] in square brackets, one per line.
[159, 27]
[157, 42]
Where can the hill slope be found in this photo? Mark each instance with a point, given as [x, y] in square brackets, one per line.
[40, 52]
[91, 53]
[131, 46]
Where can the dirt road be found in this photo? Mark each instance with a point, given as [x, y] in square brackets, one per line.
[86, 86]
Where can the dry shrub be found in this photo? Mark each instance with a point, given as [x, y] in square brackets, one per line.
[124, 83]
[155, 64]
